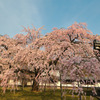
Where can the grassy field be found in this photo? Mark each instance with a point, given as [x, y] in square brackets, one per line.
[26, 94]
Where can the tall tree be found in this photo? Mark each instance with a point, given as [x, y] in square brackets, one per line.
[71, 52]
[10, 48]
[32, 57]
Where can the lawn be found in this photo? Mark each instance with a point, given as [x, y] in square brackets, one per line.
[26, 94]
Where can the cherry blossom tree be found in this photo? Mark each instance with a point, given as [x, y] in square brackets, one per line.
[71, 52]
[9, 52]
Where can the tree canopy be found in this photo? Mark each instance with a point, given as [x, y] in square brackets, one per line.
[33, 56]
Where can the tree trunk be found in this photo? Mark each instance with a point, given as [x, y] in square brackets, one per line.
[80, 97]
[24, 83]
[45, 87]
[35, 85]
[80, 93]
[61, 87]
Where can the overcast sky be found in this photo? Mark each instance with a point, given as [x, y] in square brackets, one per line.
[48, 13]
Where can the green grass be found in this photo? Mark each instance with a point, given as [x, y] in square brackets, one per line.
[26, 94]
